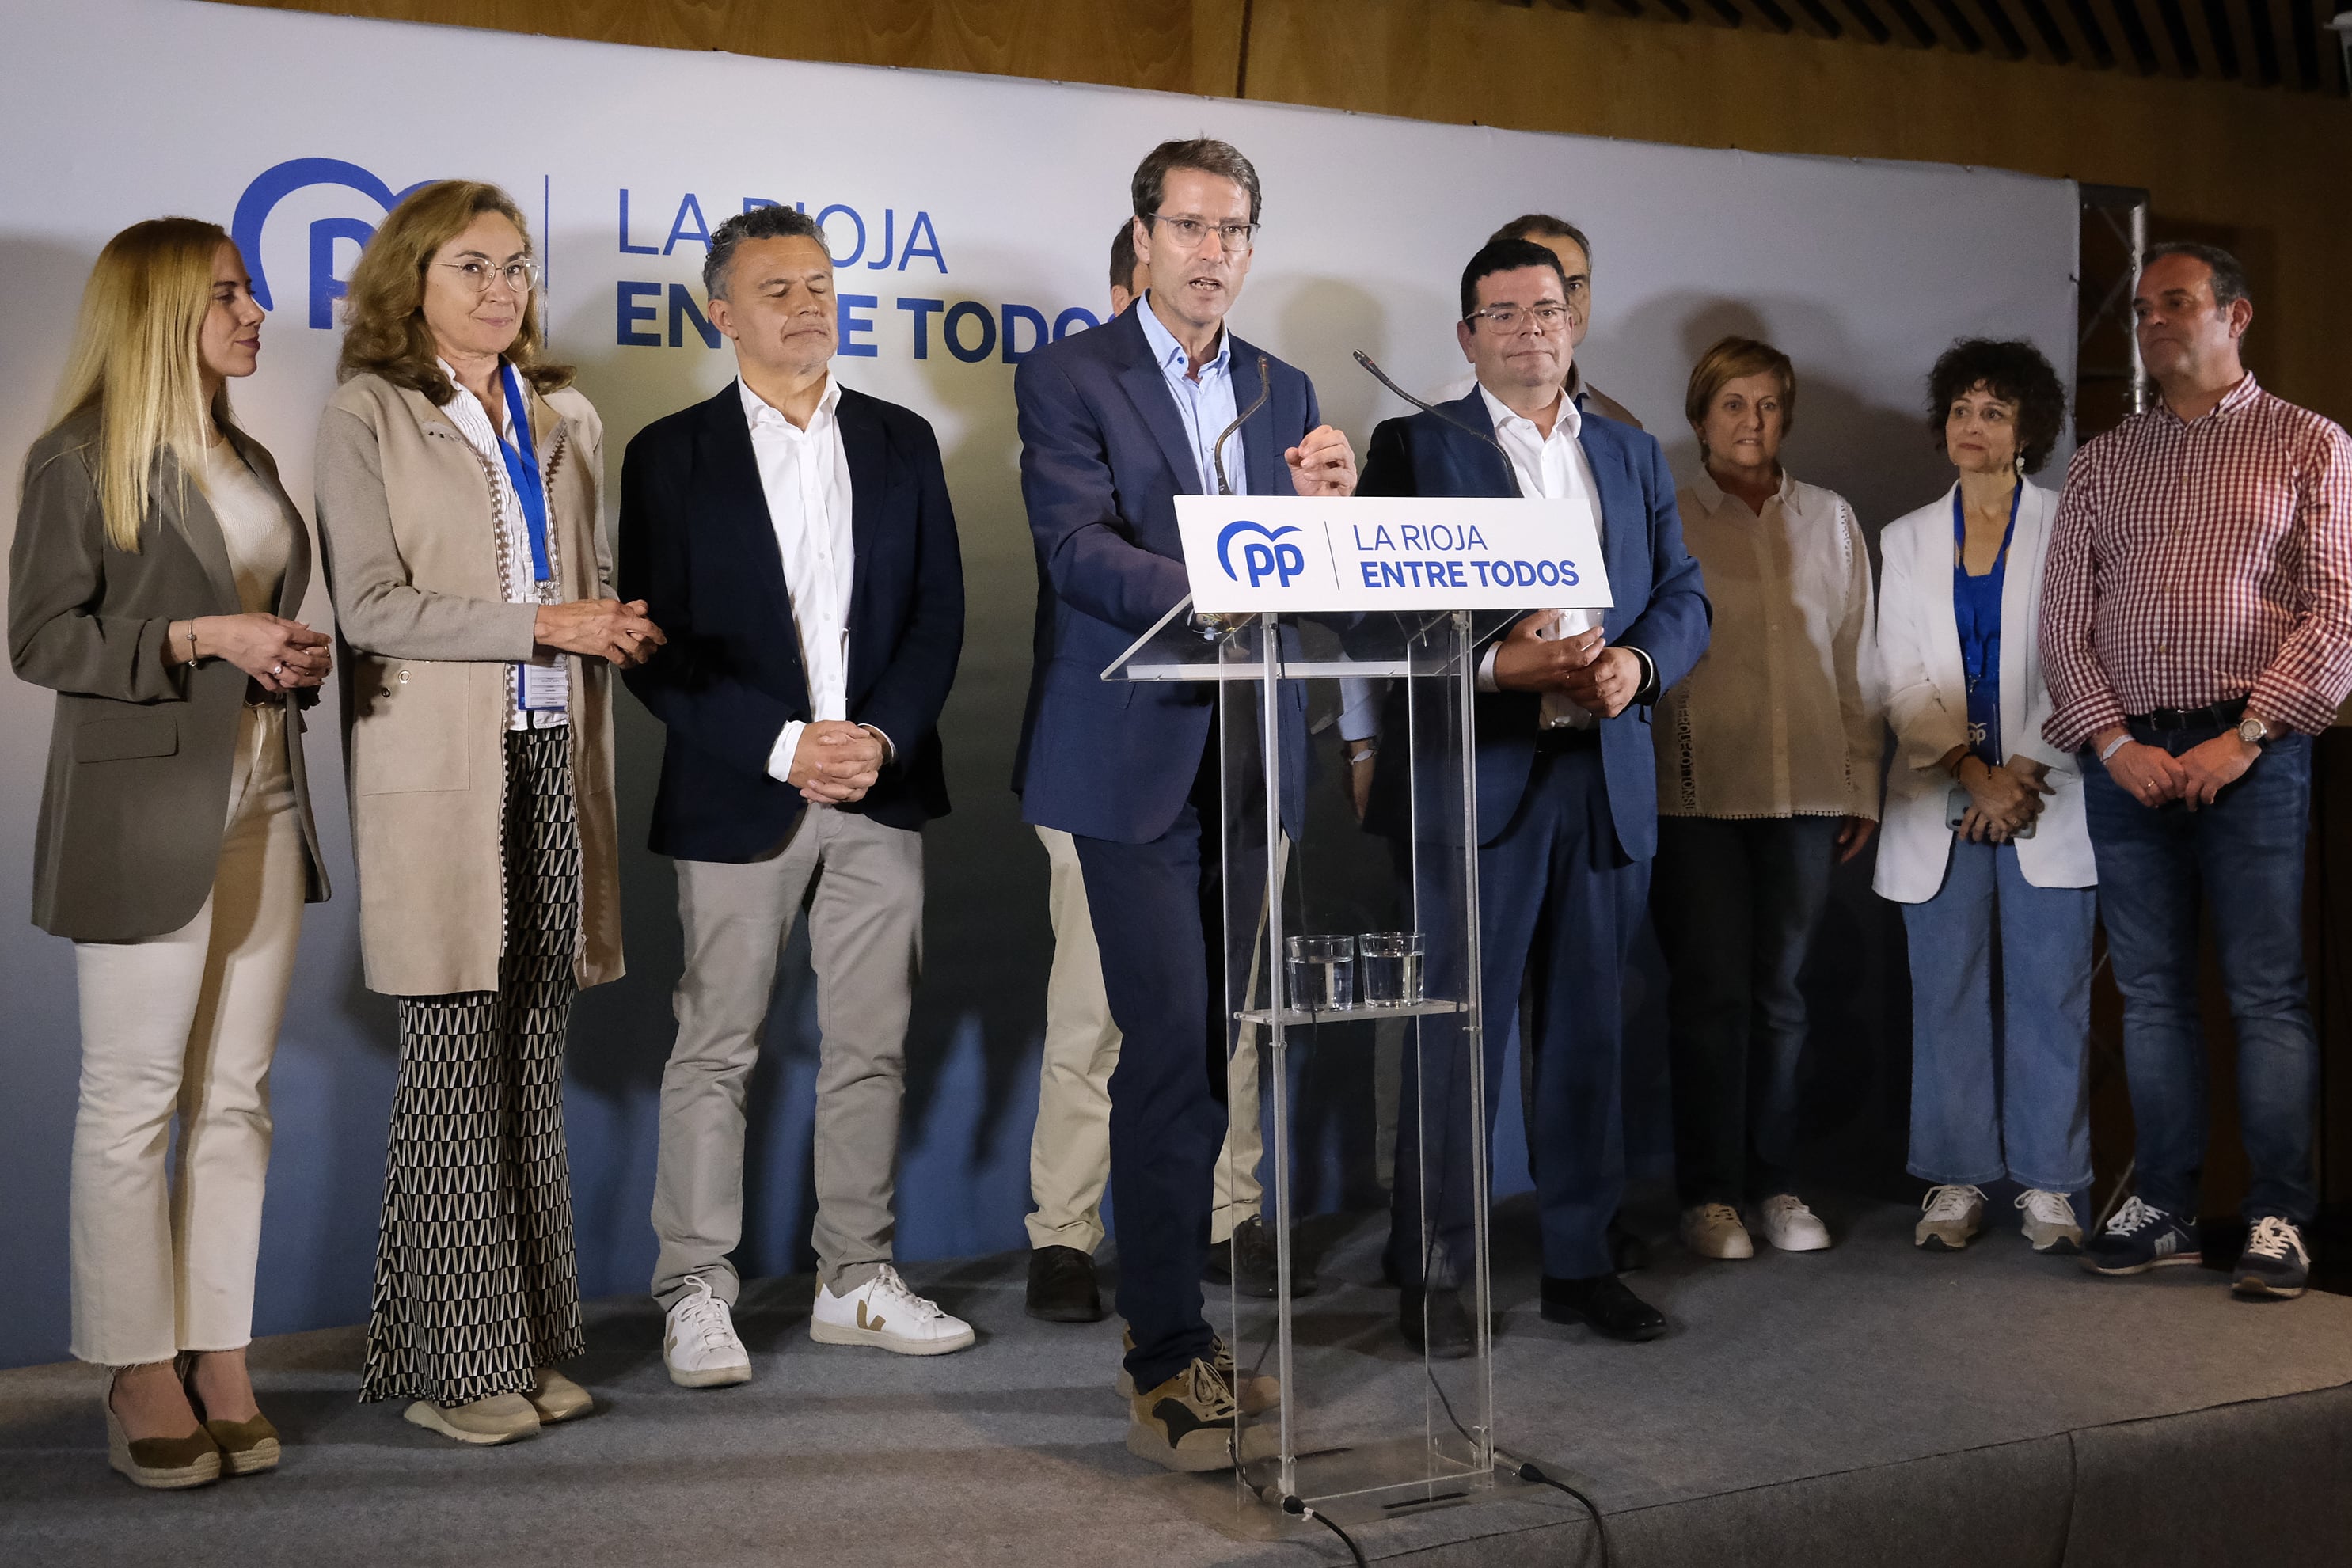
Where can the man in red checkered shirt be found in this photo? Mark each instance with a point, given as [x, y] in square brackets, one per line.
[2197, 631]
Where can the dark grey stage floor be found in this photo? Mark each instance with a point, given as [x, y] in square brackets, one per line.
[1870, 1404]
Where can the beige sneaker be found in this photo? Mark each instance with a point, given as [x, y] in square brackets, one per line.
[556, 1397]
[1256, 1392]
[2050, 1222]
[1713, 1231]
[1190, 1423]
[501, 1418]
[1790, 1225]
[1950, 1215]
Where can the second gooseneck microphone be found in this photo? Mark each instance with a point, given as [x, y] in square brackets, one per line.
[1510, 469]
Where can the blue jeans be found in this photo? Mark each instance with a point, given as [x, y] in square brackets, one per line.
[2244, 853]
[1999, 1092]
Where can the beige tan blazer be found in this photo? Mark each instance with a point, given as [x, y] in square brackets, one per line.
[408, 530]
[140, 753]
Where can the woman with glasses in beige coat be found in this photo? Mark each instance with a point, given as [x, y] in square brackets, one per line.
[153, 579]
[459, 480]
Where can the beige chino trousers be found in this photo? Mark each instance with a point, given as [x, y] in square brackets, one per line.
[863, 883]
[186, 1024]
[1069, 1150]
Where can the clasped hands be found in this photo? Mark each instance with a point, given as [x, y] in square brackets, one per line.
[2153, 776]
[280, 656]
[606, 629]
[2002, 799]
[1582, 667]
[835, 762]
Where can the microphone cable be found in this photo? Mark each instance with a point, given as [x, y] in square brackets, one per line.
[1296, 1506]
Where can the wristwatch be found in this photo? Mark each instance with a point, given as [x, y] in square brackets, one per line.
[2252, 731]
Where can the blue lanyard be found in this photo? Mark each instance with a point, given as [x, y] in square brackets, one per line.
[523, 472]
[1974, 643]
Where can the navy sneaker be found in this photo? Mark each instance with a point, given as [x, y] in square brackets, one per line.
[2274, 1263]
[2139, 1239]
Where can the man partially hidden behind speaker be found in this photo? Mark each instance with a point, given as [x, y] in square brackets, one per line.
[1566, 794]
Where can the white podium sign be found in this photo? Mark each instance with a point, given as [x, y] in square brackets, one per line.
[1293, 553]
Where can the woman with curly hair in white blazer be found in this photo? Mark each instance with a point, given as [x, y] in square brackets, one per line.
[1985, 846]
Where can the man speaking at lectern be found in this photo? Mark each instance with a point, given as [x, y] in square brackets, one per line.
[1567, 808]
[1115, 423]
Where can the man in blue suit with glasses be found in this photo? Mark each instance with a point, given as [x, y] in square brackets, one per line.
[1568, 803]
[1115, 423]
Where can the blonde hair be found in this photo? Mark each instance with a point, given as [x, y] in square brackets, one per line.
[137, 360]
[1734, 359]
[384, 312]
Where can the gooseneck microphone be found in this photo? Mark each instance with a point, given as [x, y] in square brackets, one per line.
[1510, 468]
[1217, 453]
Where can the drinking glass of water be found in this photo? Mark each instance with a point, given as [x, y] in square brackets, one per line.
[1322, 973]
[1389, 965]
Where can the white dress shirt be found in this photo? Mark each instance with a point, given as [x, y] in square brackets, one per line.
[1554, 468]
[516, 574]
[1590, 399]
[1204, 403]
[1781, 717]
[804, 476]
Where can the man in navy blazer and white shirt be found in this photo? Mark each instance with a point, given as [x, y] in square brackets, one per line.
[799, 538]
[1567, 785]
[1115, 423]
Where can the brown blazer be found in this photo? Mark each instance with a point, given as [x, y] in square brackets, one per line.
[408, 530]
[141, 754]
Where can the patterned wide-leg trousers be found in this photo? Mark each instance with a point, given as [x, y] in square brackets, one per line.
[476, 1283]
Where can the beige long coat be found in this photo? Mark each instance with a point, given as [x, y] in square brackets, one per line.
[136, 795]
[408, 530]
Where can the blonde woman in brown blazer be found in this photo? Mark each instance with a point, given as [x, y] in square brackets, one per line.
[459, 480]
[153, 579]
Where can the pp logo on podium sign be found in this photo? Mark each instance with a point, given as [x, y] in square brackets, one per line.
[1284, 553]
[1269, 556]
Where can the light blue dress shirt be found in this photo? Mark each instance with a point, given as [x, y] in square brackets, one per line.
[1206, 404]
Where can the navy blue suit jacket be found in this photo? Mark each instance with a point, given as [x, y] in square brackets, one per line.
[696, 545]
[1103, 458]
[1661, 604]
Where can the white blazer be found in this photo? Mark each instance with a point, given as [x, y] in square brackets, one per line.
[1927, 702]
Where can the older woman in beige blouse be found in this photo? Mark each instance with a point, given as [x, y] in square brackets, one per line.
[458, 480]
[1768, 776]
[154, 581]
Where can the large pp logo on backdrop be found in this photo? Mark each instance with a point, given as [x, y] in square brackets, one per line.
[272, 186]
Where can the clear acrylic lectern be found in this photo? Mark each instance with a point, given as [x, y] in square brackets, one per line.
[1363, 1428]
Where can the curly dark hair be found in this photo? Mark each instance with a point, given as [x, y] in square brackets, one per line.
[384, 332]
[2011, 370]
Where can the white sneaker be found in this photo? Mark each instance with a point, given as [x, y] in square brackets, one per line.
[1713, 1231]
[2050, 1222]
[698, 1340]
[1791, 1227]
[883, 1311]
[1951, 1217]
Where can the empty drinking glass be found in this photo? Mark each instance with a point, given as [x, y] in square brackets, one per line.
[1322, 973]
[1388, 968]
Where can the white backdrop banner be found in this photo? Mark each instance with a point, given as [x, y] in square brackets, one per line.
[970, 218]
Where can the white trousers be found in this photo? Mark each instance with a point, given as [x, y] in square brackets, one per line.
[1069, 1151]
[186, 1023]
